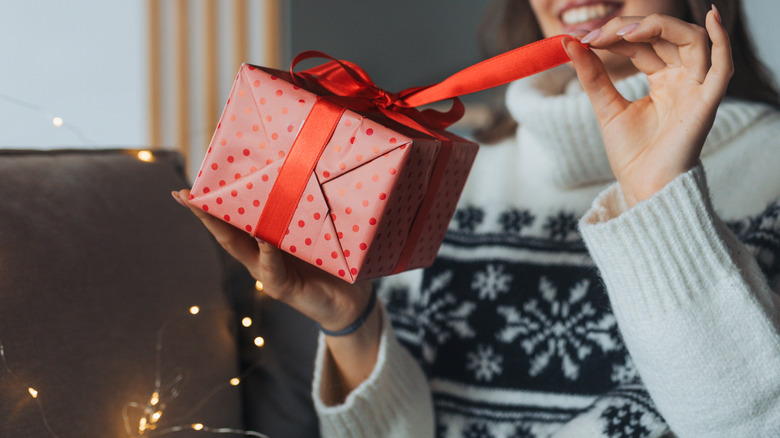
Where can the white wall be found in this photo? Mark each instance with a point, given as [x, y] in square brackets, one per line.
[81, 60]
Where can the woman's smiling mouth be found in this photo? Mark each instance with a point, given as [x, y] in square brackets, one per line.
[588, 16]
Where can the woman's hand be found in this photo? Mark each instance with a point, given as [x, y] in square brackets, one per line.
[654, 139]
[328, 300]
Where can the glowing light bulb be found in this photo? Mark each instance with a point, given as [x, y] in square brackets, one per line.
[197, 426]
[246, 322]
[145, 156]
[259, 285]
[156, 416]
[155, 398]
[259, 341]
[33, 392]
[194, 310]
[142, 425]
[57, 121]
[235, 381]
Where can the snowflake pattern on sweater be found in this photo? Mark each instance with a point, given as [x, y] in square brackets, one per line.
[565, 328]
[491, 282]
[484, 327]
[492, 330]
[624, 421]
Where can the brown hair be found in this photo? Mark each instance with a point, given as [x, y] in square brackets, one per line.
[511, 23]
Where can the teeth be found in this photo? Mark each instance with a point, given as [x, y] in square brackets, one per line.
[583, 14]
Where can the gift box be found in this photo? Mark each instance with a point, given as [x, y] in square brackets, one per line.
[334, 171]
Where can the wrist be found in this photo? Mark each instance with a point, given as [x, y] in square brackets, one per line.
[351, 358]
[639, 186]
[344, 307]
[635, 192]
[357, 323]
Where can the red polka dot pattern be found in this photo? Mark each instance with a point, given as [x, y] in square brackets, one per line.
[357, 207]
[347, 195]
[444, 203]
[356, 141]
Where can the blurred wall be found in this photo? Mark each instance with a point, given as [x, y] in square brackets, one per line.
[762, 21]
[400, 43]
[86, 60]
[81, 60]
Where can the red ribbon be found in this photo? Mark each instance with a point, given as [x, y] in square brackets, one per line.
[354, 88]
[296, 170]
[349, 86]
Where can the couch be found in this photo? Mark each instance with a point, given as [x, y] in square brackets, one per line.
[120, 315]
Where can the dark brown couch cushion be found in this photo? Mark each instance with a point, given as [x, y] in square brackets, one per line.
[277, 398]
[278, 376]
[95, 260]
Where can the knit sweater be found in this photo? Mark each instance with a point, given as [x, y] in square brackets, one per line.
[553, 310]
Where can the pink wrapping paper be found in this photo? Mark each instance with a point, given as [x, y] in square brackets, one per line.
[356, 212]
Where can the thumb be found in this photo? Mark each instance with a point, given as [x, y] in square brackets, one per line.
[273, 270]
[606, 100]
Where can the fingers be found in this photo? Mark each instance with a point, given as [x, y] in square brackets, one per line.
[273, 270]
[606, 100]
[647, 57]
[642, 55]
[717, 80]
[673, 41]
[236, 242]
[691, 40]
[579, 34]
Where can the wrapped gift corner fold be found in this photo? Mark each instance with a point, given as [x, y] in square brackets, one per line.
[352, 192]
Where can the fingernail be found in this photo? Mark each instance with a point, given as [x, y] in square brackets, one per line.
[628, 29]
[717, 14]
[178, 199]
[591, 36]
[260, 241]
[579, 34]
[565, 49]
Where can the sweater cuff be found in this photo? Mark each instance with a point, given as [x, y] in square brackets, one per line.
[665, 243]
[395, 400]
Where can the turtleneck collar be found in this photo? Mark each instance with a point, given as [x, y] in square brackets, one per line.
[554, 113]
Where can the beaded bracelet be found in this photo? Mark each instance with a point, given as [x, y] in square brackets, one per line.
[358, 323]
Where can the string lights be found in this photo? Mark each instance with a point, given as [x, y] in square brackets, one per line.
[163, 395]
[144, 155]
[32, 391]
[154, 409]
[57, 121]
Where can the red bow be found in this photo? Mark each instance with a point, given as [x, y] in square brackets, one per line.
[350, 86]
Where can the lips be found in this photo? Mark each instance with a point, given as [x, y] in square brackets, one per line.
[588, 15]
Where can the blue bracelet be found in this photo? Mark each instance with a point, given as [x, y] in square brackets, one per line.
[358, 323]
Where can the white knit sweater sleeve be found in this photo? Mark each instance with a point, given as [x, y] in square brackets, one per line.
[394, 402]
[695, 311]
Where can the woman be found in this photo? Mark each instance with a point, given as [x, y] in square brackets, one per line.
[511, 333]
